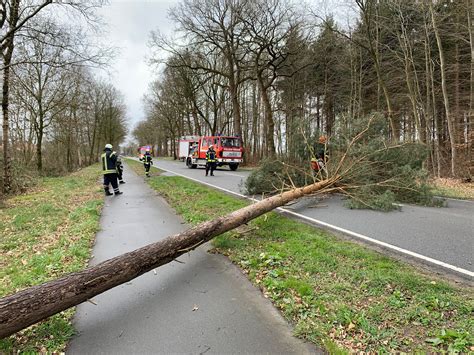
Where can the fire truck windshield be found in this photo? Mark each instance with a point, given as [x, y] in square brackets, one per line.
[227, 142]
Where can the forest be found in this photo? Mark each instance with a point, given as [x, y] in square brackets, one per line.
[279, 74]
[276, 73]
[57, 112]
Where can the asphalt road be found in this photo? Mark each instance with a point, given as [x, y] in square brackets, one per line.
[201, 304]
[441, 237]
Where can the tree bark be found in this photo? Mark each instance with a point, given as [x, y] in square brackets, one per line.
[470, 116]
[234, 94]
[7, 171]
[7, 52]
[255, 123]
[33, 304]
[470, 13]
[428, 111]
[39, 145]
[269, 123]
[449, 118]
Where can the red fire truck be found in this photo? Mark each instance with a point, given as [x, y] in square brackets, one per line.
[192, 150]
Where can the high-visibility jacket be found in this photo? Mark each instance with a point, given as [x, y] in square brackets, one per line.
[109, 162]
[211, 156]
[147, 159]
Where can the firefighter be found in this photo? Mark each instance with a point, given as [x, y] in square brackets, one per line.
[109, 169]
[321, 148]
[194, 149]
[318, 163]
[120, 170]
[211, 158]
[147, 162]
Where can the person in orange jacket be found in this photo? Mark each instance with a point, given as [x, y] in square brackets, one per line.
[318, 162]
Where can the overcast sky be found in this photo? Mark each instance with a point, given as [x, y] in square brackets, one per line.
[129, 25]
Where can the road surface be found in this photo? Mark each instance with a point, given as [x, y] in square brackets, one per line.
[440, 237]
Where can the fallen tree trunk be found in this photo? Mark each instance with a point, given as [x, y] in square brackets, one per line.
[36, 303]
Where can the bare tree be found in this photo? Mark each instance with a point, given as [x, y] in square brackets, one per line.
[269, 25]
[11, 15]
[45, 86]
[447, 109]
[368, 10]
[470, 14]
[15, 16]
[291, 80]
[213, 26]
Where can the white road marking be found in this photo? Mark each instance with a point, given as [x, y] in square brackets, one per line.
[386, 245]
[345, 231]
[455, 199]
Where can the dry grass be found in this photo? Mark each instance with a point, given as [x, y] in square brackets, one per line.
[454, 188]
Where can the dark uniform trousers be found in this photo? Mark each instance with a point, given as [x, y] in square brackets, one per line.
[147, 161]
[111, 179]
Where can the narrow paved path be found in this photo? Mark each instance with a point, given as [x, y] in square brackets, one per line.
[202, 305]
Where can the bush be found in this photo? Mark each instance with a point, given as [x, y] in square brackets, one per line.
[378, 172]
[273, 175]
[22, 177]
[375, 173]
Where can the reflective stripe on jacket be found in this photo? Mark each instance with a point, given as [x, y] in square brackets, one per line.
[109, 160]
[211, 156]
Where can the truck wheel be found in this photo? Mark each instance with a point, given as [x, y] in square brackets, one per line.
[189, 164]
[233, 167]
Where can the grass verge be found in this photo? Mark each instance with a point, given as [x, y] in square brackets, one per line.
[47, 233]
[137, 166]
[337, 294]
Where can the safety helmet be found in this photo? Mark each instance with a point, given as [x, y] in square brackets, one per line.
[323, 139]
[211, 146]
[108, 146]
[314, 159]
